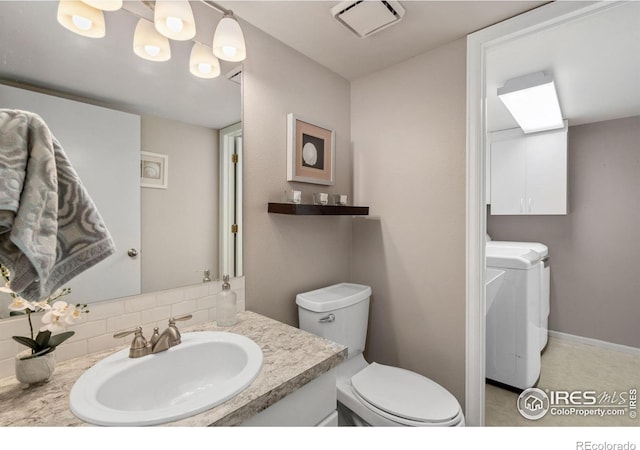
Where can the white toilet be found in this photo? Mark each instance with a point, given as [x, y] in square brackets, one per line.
[372, 394]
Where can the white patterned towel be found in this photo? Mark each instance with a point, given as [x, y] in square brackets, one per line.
[50, 229]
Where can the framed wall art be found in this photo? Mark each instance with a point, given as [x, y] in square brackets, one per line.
[311, 151]
[154, 170]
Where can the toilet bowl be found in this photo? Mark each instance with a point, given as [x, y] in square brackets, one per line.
[372, 394]
[379, 395]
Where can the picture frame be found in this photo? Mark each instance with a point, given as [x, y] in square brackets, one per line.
[311, 151]
[154, 170]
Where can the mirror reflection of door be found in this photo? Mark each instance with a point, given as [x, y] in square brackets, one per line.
[108, 164]
[237, 202]
[231, 195]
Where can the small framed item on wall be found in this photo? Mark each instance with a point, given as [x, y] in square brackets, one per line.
[154, 170]
[311, 152]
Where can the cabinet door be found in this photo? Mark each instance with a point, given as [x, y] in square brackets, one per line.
[508, 176]
[547, 174]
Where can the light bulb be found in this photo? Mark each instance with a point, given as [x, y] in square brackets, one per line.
[81, 22]
[149, 44]
[202, 63]
[175, 24]
[81, 18]
[229, 51]
[152, 50]
[204, 68]
[174, 19]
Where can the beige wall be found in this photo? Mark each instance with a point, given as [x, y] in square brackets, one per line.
[408, 132]
[179, 225]
[595, 282]
[285, 255]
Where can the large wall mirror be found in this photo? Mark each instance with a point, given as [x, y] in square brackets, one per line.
[193, 126]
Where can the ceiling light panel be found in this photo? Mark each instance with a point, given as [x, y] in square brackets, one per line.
[533, 102]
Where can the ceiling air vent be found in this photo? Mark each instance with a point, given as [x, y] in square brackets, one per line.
[366, 17]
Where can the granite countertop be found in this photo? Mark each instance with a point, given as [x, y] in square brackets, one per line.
[292, 358]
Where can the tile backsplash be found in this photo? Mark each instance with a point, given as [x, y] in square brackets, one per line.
[95, 332]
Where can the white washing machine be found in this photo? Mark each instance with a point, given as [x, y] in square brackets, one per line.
[545, 281]
[513, 320]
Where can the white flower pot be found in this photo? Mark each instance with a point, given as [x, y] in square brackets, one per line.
[34, 370]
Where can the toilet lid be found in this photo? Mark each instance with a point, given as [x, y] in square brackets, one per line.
[405, 394]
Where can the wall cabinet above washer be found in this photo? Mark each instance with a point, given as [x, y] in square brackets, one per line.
[528, 173]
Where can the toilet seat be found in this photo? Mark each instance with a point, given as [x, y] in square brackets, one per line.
[405, 397]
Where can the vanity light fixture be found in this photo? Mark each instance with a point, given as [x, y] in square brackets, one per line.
[202, 62]
[228, 40]
[174, 19]
[81, 18]
[532, 100]
[149, 44]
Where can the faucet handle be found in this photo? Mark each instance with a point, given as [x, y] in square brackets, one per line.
[179, 318]
[122, 334]
[177, 338]
[139, 345]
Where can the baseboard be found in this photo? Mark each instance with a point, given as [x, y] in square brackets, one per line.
[595, 342]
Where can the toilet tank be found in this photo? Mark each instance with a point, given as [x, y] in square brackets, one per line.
[339, 313]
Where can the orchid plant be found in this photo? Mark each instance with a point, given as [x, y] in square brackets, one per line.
[58, 315]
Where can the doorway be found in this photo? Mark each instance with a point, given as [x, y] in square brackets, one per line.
[231, 194]
[479, 45]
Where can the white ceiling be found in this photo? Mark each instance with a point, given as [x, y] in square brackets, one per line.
[595, 62]
[309, 27]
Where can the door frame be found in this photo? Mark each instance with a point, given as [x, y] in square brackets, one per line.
[230, 201]
[478, 44]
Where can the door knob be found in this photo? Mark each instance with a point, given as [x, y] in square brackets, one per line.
[132, 252]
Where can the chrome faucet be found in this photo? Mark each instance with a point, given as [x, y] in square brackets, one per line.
[169, 337]
[158, 343]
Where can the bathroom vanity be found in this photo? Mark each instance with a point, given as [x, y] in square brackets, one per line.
[295, 387]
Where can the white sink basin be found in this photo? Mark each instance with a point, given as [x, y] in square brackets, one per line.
[493, 280]
[206, 369]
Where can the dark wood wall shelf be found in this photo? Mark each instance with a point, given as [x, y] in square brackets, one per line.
[298, 209]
